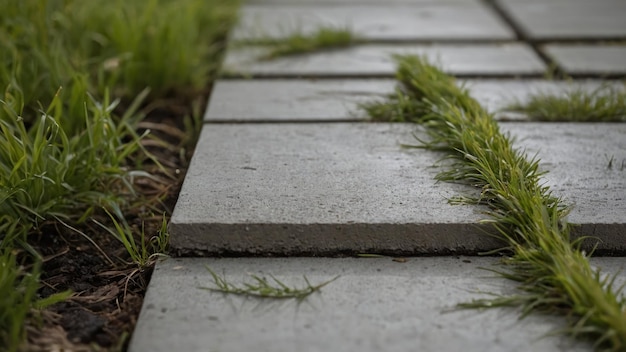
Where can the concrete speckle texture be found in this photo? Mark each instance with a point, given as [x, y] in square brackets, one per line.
[375, 60]
[598, 59]
[351, 187]
[469, 19]
[375, 305]
[293, 100]
[318, 188]
[568, 19]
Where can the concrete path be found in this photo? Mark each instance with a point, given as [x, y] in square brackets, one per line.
[337, 100]
[376, 304]
[324, 189]
[287, 165]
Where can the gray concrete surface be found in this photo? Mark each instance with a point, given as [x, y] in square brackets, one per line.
[332, 188]
[375, 305]
[281, 100]
[375, 60]
[349, 2]
[469, 19]
[598, 59]
[568, 19]
[293, 100]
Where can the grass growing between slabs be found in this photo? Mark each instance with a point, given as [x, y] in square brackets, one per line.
[298, 42]
[82, 83]
[604, 104]
[553, 273]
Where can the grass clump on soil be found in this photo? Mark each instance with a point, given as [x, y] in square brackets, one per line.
[50, 175]
[143, 252]
[264, 288]
[604, 104]
[172, 47]
[323, 38]
[18, 290]
[82, 83]
[553, 273]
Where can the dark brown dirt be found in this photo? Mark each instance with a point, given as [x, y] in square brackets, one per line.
[107, 296]
[108, 292]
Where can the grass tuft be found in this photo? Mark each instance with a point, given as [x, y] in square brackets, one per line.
[143, 252]
[604, 104]
[170, 47]
[552, 272]
[47, 173]
[324, 38]
[264, 288]
[19, 302]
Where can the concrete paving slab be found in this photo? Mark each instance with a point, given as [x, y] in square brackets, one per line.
[375, 305]
[468, 20]
[349, 2]
[325, 189]
[271, 100]
[375, 61]
[600, 59]
[288, 100]
[568, 19]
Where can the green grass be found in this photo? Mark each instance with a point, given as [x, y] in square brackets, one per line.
[604, 104]
[263, 288]
[553, 274]
[143, 252]
[47, 174]
[297, 43]
[18, 289]
[75, 77]
[170, 47]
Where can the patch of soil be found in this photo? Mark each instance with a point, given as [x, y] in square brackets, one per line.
[107, 288]
[106, 298]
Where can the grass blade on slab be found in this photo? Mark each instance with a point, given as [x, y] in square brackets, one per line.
[264, 288]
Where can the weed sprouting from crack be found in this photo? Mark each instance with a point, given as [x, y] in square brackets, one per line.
[607, 103]
[553, 273]
[264, 288]
[324, 38]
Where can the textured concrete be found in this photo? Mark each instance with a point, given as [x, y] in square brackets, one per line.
[375, 305]
[276, 100]
[350, 2]
[568, 19]
[293, 100]
[599, 59]
[327, 188]
[577, 156]
[470, 19]
[375, 61]
[332, 188]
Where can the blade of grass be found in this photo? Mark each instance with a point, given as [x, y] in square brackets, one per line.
[263, 288]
